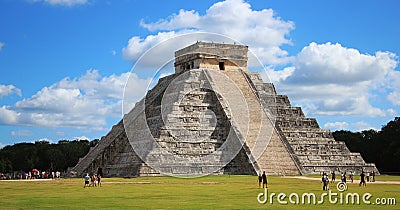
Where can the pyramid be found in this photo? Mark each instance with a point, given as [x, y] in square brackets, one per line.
[214, 116]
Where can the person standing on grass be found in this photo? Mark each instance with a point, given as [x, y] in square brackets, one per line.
[259, 180]
[325, 181]
[87, 177]
[373, 176]
[333, 177]
[362, 177]
[92, 180]
[343, 177]
[99, 180]
[264, 180]
[351, 176]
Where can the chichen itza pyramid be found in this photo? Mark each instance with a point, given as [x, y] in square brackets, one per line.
[215, 116]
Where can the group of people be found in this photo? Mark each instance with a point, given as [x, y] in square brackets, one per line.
[343, 176]
[364, 176]
[92, 181]
[32, 174]
[262, 179]
[367, 176]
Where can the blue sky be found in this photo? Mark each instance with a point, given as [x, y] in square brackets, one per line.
[64, 63]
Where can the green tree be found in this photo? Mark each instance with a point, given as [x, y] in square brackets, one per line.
[379, 147]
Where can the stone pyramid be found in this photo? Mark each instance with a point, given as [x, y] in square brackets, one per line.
[213, 116]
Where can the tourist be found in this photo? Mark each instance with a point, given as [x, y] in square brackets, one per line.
[92, 180]
[362, 177]
[264, 180]
[351, 176]
[367, 176]
[344, 177]
[325, 181]
[373, 176]
[95, 180]
[333, 176]
[99, 180]
[58, 174]
[259, 180]
[87, 177]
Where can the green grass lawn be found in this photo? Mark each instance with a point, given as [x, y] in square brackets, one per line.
[227, 192]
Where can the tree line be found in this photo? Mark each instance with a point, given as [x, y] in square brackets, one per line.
[379, 147]
[43, 155]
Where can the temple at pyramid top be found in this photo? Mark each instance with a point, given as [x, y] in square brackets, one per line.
[218, 56]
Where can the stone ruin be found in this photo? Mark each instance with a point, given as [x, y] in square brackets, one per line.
[211, 95]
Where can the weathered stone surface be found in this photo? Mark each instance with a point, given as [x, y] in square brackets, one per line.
[212, 99]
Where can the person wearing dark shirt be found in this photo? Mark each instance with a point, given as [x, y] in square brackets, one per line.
[362, 182]
[264, 180]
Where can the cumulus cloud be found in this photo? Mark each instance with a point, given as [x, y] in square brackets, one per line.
[394, 97]
[262, 30]
[63, 2]
[332, 63]
[393, 82]
[1, 45]
[329, 79]
[137, 47]
[84, 102]
[8, 116]
[6, 90]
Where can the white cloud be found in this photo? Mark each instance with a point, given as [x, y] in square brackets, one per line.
[2, 145]
[21, 133]
[84, 102]
[1, 45]
[137, 47]
[68, 3]
[277, 76]
[81, 138]
[6, 90]
[260, 29]
[336, 125]
[334, 64]
[393, 81]
[329, 79]
[394, 97]
[7, 116]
